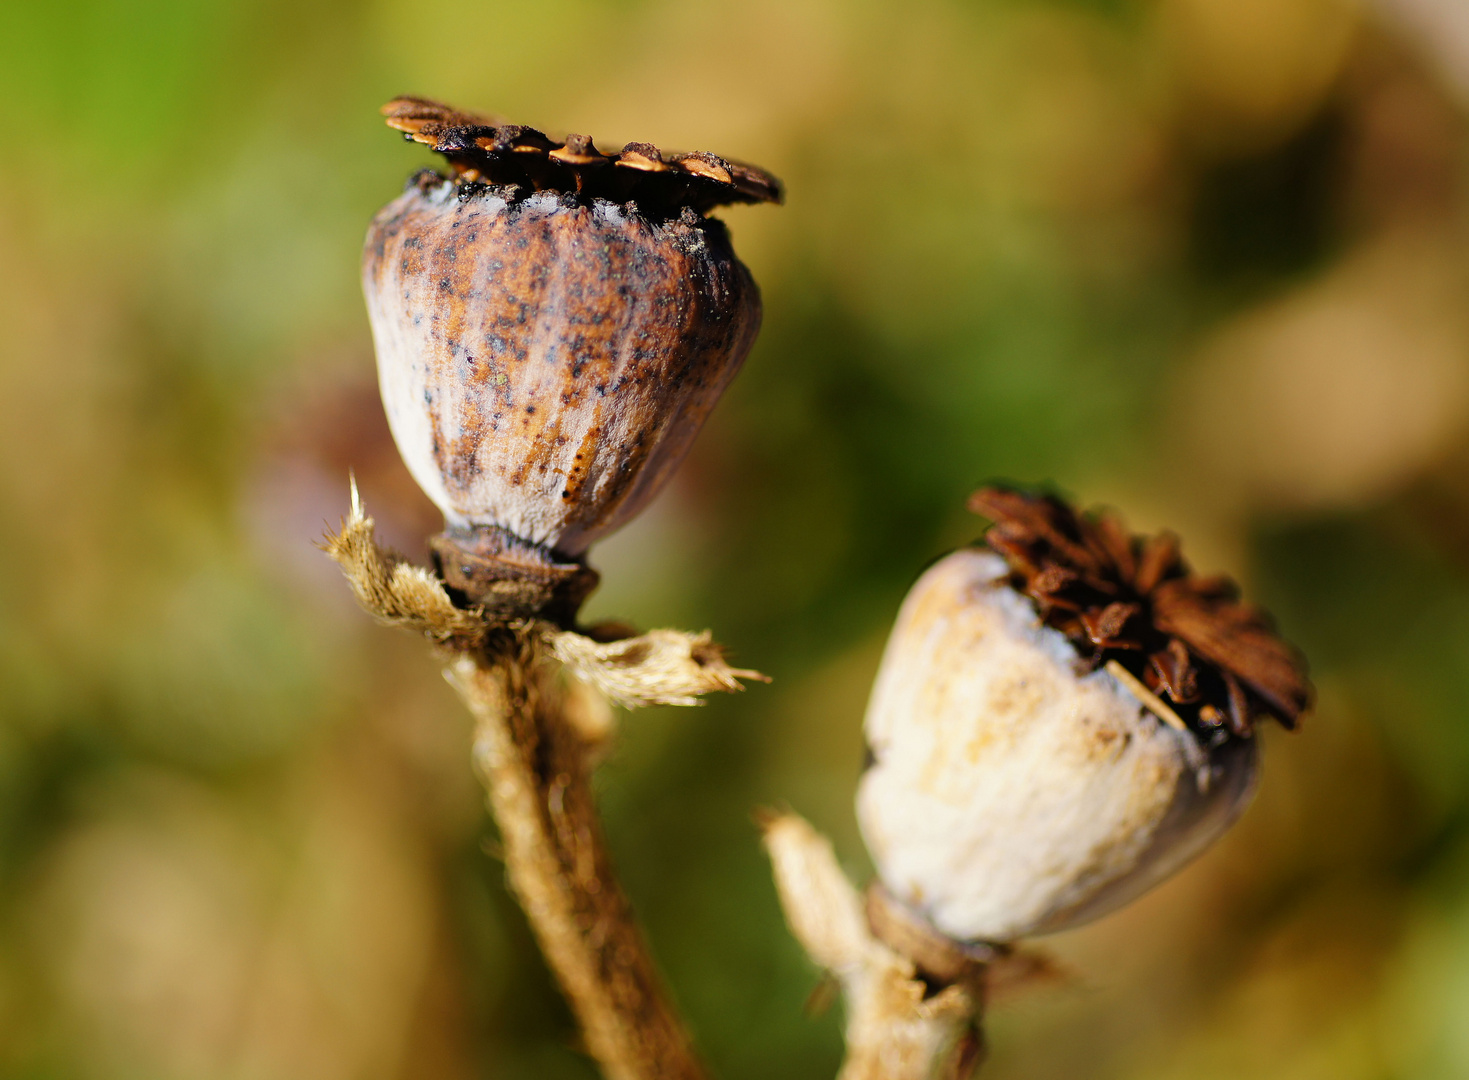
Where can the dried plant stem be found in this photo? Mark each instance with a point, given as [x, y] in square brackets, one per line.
[897, 1028]
[539, 694]
[533, 760]
[534, 691]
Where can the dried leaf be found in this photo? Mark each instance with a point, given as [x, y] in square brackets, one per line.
[661, 667]
[392, 589]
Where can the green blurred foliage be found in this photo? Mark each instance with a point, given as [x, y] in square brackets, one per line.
[1200, 259]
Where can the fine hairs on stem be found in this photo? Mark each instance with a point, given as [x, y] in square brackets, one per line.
[540, 721]
[534, 764]
[900, 1026]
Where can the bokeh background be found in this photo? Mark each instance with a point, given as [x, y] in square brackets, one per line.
[1204, 260]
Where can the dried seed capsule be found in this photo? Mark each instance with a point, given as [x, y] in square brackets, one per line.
[1038, 762]
[553, 325]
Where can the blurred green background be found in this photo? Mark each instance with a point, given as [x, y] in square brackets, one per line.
[1204, 260]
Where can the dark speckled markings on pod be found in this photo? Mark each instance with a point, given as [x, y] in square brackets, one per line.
[553, 326]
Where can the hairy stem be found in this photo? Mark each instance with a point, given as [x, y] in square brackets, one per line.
[534, 761]
[898, 1027]
[535, 740]
[894, 1034]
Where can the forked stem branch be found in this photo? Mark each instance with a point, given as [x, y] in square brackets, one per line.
[898, 1028]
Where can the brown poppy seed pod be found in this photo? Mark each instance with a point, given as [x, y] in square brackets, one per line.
[553, 325]
[1062, 718]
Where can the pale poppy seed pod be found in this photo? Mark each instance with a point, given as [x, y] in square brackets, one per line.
[1063, 717]
[553, 326]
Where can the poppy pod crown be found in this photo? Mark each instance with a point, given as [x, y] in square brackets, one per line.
[553, 326]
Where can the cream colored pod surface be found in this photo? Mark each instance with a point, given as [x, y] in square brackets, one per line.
[1009, 795]
[545, 364]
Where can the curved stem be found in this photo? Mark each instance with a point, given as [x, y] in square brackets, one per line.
[534, 762]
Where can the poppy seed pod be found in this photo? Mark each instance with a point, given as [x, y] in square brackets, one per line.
[1063, 717]
[553, 325]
